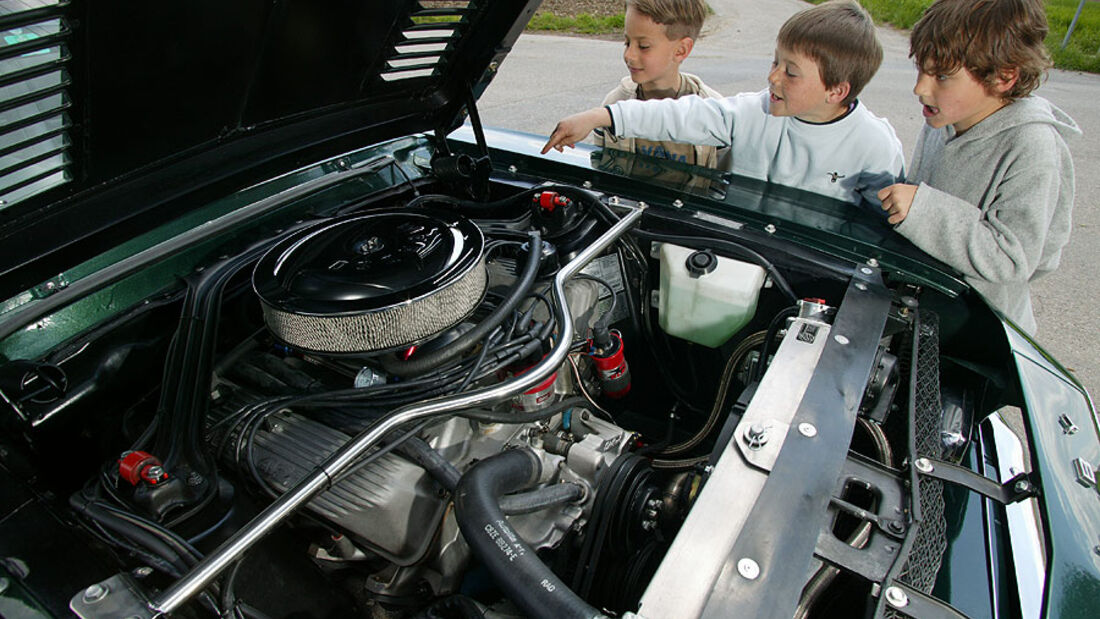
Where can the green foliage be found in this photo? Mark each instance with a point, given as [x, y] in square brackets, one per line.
[899, 13]
[1082, 53]
[436, 19]
[583, 23]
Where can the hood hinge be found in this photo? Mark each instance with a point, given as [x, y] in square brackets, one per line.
[472, 173]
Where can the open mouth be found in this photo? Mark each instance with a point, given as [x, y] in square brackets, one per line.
[774, 97]
[930, 111]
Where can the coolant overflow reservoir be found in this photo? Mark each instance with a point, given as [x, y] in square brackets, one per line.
[706, 298]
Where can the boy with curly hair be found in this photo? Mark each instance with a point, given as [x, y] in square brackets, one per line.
[808, 129]
[658, 36]
[991, 185]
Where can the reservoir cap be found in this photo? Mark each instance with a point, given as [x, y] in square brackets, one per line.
[701, 262]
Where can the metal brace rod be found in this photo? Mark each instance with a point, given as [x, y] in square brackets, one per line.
[916, 604]
[882, 524]
[1016, 489]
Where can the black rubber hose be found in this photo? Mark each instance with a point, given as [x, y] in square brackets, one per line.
[777, 323]
[543, 498]
[514, 565]
[424, 363]
[136, 534]
[489, 416]
[441, 469]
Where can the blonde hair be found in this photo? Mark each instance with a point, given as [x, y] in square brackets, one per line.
[681, 18]
[987, 37]
[840, 37]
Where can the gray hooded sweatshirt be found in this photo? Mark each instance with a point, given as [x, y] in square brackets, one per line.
[995, 201]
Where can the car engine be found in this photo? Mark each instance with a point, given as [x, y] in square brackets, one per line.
[551, 401]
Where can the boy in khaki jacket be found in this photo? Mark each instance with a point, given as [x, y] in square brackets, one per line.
[659, 36]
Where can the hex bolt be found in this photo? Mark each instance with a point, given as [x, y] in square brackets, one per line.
[678, 203]
[95, 593]
[872, 262]
[895, 527]
[748, 568]
[807, 429]
[1022, 486]
[512, 169]
[142, 572]
[587, 184]
[648, 525]
[756, 436]
[195, 479]
[896, 597]
[770, 228]
[865, 270]
[155, 471]
[923, 465]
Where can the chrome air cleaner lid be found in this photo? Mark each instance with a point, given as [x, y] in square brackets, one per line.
[372, 282]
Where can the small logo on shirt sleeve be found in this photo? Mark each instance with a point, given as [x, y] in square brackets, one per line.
[834, 176]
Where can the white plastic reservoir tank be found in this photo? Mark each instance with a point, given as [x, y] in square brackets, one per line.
[706, 298]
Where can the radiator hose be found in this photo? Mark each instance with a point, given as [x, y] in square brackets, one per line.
[518, 571]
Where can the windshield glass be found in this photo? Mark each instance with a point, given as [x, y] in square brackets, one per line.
[844, 230]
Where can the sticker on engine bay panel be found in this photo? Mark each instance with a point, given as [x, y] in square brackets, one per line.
[609, 269]
[808, 333]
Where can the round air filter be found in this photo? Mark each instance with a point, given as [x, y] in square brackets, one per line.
[372, 282]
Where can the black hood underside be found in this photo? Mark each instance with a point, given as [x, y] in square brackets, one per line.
[114, 115]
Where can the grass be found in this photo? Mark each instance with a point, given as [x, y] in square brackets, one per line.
[1082, 53]
[583, 23]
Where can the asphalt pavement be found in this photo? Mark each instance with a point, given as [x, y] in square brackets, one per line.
[547, 77]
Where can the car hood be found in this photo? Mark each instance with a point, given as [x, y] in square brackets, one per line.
[115, 115]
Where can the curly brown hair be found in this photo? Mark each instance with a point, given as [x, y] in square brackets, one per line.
[988, 37]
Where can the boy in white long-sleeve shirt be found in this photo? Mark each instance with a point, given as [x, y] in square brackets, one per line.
[808, 130]
[992, 183]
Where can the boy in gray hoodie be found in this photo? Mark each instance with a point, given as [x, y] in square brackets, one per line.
[990, 187]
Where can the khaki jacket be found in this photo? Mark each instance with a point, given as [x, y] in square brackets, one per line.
[688, 153]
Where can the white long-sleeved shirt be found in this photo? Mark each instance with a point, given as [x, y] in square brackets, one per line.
[850, 158]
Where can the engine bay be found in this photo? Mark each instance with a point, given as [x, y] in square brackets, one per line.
[553, 402]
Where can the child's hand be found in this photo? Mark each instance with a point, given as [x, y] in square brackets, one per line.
[573, 129]
[896, 200]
